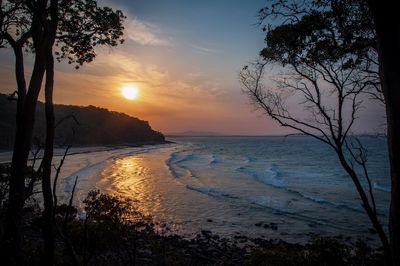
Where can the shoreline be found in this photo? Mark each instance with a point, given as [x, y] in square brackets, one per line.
[91, 170]
[116, 240]
[6, 155]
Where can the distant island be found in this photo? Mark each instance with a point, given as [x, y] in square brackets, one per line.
[79, 125]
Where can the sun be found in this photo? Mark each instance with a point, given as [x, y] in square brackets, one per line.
[130, 92]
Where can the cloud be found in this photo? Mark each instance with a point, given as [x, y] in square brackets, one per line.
[109, 71]
[204, 49]
[145, 33]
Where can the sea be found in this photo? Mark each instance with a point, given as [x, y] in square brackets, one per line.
[290, 188]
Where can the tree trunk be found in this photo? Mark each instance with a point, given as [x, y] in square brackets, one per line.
[48, 226]
[20, 75]
[23, 138]
[385, 15]
[24, 129]
[12, 236]
[48, 213]
[367, 207]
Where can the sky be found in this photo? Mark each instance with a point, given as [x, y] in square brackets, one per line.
[184, 58]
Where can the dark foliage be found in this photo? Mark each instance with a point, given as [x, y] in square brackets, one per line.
[83, 26]
[4, 176]
[81, 125]
[323, 31]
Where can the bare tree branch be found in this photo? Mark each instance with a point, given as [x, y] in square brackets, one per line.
[331, 110]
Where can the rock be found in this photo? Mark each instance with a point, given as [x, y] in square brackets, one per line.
[273, 226]
[206, 233]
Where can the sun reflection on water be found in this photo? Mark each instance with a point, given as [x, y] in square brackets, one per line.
[146, 179]
[128, 177]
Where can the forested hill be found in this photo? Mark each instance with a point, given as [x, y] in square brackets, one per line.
[79, 125]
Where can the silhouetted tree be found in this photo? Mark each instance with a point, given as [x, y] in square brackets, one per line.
[385, 16]
[331, 49]
[75, 27]
[331, 97]
[371, 25]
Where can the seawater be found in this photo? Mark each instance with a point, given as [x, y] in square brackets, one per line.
[274, 187]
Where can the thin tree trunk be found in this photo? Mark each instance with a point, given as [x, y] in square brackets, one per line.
[12, 236]
[367, 207]
[20, 75]
[23, 138]
[48, 228]
[48, 213]
[385, 15]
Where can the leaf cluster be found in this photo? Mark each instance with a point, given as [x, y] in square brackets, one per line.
[319, 31]
[15, 20]
[109, 210]
[81, 26]
[85, 25]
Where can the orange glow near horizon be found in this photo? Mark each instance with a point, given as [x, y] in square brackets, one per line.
[171, 101]
[169, 98]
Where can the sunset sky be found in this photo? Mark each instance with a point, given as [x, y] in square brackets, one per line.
[184, 57]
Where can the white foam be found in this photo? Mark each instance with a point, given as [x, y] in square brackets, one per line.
[266, 201]
[84, 175]
[270, 176]
[336, 204]
[381, 187]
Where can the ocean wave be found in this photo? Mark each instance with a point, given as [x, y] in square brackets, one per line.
[255, 160]
[214, 192]
[381, 187]
[84, 174]
[93, 169]
[176, 169]
[179, 171]
[280, 208]
[197, 159]
[174, 157]
[266, 201]
[271, 176]
[180, 157]
[216, 160]
[181, 164]
[338, 205]
[323, 201]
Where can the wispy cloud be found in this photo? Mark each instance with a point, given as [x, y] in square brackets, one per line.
[109, 71]
[146, 33]
[204, 49]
